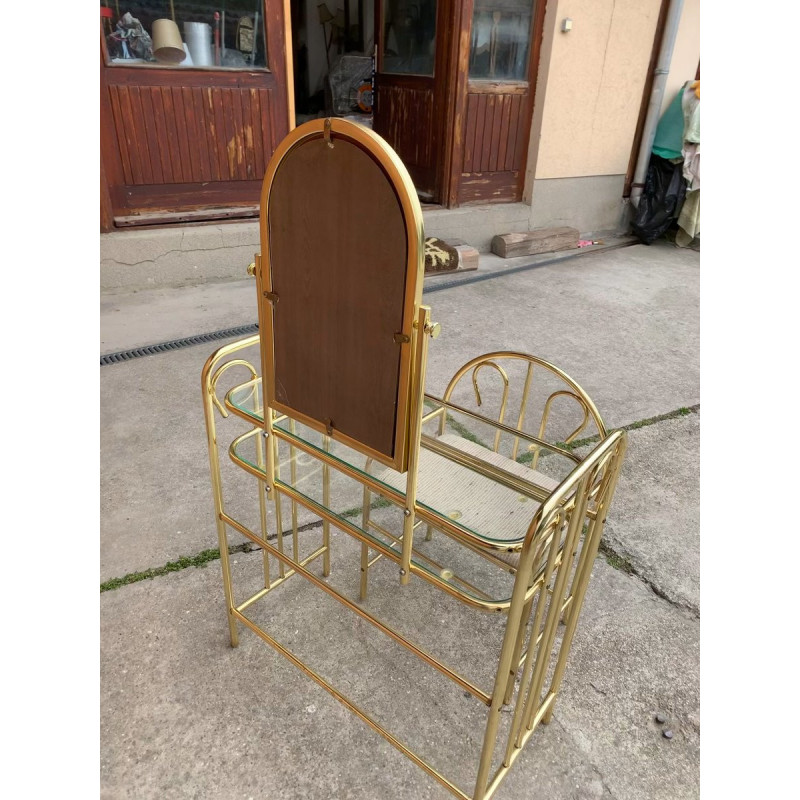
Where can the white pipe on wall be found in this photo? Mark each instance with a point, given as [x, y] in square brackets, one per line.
[656, 97]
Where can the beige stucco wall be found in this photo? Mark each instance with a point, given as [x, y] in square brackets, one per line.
[589, 87]
[686, 53]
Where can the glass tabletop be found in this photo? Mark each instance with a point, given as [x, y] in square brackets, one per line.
[475, 481]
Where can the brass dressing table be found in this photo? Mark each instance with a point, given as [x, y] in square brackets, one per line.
[494, 494]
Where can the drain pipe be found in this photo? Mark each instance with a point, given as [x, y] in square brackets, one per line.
[656, 98]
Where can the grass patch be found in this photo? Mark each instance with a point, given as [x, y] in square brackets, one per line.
[200, 560]
[615, 560]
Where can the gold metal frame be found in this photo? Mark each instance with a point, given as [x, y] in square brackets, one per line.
[550, 578]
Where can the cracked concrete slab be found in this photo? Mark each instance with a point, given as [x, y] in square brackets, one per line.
[184, 715]
[636, 655]
[656, 519]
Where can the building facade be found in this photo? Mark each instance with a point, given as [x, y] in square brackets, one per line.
[509, 114]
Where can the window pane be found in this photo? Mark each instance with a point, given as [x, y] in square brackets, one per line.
[501, 35]
[179, 33]
[409, 36]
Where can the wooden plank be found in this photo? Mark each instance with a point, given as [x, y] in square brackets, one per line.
[197, 144]
[457, 74]
[259, 166]
[480, 121]
[469, 135]
[172, 135]
[221, 136]
[187, 165]
[209, 124]
[543, 240]
[106, 206]
[208, 158]
[236, 114]
[188, 196]
[140, 135]
[498, 87]
[160, 118]
[502, 144]
[123, 147]
[488, 187]
[497, 123]
[198, 215]
[486, 142]
[515, 123]
[151, 131]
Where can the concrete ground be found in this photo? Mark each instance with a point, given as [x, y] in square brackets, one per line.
[183, 715]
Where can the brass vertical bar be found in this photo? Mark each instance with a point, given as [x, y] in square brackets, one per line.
[554, 610]
[588, 555]
[216, 486]
[362, 592]
[262, 499]
[503, 667]
[326, 501]
[534, 646]
[293, 473]
[522, 407]
[277, 500]
[415, 434]
[526, 613]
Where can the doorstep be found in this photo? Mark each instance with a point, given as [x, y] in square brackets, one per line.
[186, 255]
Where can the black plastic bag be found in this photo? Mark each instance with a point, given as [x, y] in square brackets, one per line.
[661, 200]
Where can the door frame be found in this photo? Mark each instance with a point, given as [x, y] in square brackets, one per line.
[443, 87]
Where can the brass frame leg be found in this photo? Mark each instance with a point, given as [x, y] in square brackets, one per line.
[362, 593]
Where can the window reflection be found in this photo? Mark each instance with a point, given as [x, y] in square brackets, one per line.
[409, 36]
[501, 34]
[228, 34]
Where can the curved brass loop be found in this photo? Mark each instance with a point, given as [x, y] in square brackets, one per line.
[546, 413]
[237, 362]
[504, 376]
[510, 354]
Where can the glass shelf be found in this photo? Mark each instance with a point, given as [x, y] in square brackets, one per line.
[465, 484]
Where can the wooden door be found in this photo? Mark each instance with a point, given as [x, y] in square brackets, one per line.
[192, 142]
[413, 39]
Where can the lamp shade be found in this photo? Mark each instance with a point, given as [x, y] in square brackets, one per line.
[324, 14]
[167, 42]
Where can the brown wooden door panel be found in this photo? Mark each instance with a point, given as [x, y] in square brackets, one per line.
[404, 117]
[411, 109]
[172, 135]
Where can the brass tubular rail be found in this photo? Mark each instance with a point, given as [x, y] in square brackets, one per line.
[278, 581]
[420, 343]
[522, 408]
[448, 672]
[389, 492]
[392, 496]
[390, 553]
[208, 382]
[506, 428]
[376, 726]
[423, 558]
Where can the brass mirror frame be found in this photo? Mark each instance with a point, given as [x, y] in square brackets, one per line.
[397, 174]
